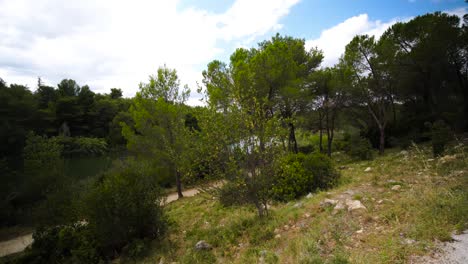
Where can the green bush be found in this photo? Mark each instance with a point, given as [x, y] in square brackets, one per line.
[291, 179]
[64, 244]
[232, 193]
[322, 169]
[124, 206]
[299, 174]
[440, 133]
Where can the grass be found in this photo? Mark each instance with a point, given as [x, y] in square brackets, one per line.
[429, 207]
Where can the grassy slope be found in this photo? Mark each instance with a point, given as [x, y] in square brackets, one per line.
[432, 203]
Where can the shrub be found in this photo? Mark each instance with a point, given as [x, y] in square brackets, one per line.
[291, 179]
[440, 133]
[122, 207]
[64, 244]
[322, 169]
[232, 193]
[299, 174]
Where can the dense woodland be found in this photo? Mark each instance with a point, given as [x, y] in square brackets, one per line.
[272, 120]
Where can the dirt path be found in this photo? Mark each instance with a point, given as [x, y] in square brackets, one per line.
[15, 245]
[455, 252]
[187, 193]
[18, 244]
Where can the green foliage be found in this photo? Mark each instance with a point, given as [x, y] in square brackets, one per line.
[43, 167]
[291, 179]
[232, 193]
[321, 166]
[123, 206]
[116, 93]
[82, 146]
[299, 174]
[440, 134]
[65, 244]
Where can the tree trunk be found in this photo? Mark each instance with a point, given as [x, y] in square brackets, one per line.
[321, 140]
[320, 132]
[382, 140]
[292, 138]
[179, 185]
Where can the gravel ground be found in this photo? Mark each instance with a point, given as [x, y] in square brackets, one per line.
[455, 252]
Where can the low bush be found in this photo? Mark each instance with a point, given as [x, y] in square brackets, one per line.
[324, 175]
[62, 244]
[299, 174]
[232, 193]
[122, 207]
[291, 179]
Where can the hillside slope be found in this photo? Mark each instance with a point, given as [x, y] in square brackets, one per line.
[411, 201]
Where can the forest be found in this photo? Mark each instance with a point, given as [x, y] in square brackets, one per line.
[88, 173]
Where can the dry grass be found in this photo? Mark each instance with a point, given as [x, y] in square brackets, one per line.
[431, 204]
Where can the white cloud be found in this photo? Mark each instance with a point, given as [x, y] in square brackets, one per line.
[119, 43]
[332, 41]
[460, 12]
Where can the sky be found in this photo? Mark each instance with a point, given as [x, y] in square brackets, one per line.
[118, 44]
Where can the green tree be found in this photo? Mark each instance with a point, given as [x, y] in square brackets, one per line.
[373, 82]
[68, 87]
[329, 88]
[116, 93]
[431, 54]
[159, 123]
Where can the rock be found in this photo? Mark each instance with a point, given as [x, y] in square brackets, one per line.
[339, 206]
[380, 201]
[306, 215]
[350, 192]
[380, 190]
[409, 241]
[276, 231]
[328, 203]
[368, 169]
[286, 227]
[309, 195]
[278, 236]
[396, 187]
[202, 245]
[355, 206]
[447, 158]
[360, 231]
[298, 205]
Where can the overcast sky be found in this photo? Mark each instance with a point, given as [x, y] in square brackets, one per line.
[117, 43]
